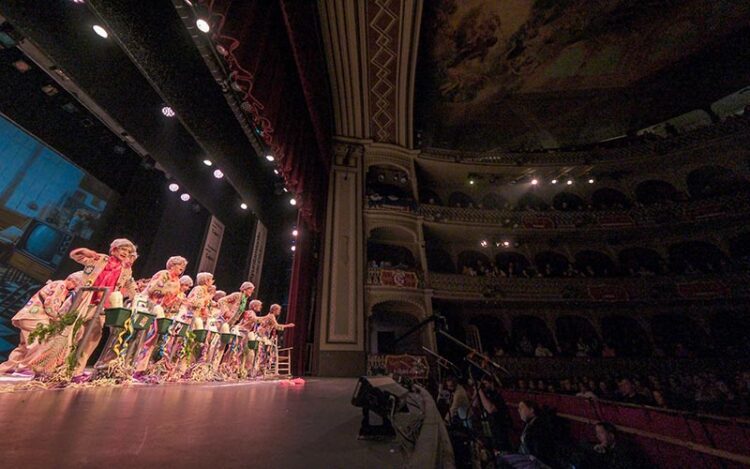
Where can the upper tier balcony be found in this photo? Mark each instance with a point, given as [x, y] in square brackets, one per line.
[696, 211]
[652, 288]
[615, 151]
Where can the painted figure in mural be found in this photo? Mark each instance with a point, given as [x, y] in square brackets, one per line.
[46, 304]
[163, 289]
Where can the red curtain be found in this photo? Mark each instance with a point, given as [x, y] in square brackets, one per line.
[274, 51]
[300, 294]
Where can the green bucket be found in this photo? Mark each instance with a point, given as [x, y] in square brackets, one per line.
[163, 324]
[200, 335]
[226, 338]
[116, 317]
[142, 321]
[183, 328]
[252, 345]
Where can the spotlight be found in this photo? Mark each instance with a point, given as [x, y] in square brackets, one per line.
[506, 243]
[483, 243]
[471, 182]
[286, 190]
[243, 206]
[534, 182]
[77, 1]
[294, 248]
[295, 233]
[185, 197]
[174, 187]
[292, 201]
[591, 181]
[189, 3]
[554, 181]
[570, 182]
[167, 111]
[276, 172]
[202, 25]
[218, 174]
[100, 31]
[208, 162]
[270, 157]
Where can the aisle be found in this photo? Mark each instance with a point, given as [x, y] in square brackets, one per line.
[260, 424]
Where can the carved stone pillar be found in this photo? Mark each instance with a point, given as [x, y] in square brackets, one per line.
[341, 340]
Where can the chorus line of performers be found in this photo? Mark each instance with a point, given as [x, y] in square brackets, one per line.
[165, 326]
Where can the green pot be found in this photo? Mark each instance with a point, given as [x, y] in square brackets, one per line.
[142, 321]
[163, 324]
[226, 338]
[183, 326]
[200, 335]
[116, 317]
[252, 345]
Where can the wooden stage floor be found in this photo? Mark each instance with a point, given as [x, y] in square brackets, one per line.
[256, 424]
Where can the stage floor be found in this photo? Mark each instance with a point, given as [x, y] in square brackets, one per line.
[257, 424]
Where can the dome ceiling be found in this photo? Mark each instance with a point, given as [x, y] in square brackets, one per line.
[514, 73]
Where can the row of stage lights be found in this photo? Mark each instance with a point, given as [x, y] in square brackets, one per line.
[203, 26]
[484, 243]
[536, 182]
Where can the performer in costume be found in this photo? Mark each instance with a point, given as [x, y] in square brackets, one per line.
[199, 299]
[100, 270]
[46, 304]
[235, 304]
[268, 326]
[163, 289]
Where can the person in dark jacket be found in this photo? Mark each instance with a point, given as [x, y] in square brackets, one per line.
[537, 438]
[611, 453]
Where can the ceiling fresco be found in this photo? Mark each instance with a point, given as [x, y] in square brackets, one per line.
[484, 61]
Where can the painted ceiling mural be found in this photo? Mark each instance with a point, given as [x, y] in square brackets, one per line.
[485, 60]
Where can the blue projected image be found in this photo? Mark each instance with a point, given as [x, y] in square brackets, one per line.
[46, 202]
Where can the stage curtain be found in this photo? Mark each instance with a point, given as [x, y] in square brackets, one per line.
[274, 50]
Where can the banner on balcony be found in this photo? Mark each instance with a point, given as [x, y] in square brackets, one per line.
[411, 366]
[703, 289]
[399, 278]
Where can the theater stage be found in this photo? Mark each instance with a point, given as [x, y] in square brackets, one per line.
[258, 424]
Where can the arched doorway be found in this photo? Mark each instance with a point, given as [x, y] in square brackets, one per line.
[713, 181]
[531, 201]
[626, 336]
[692, 257]
[677, 335]
[568, 202]
[472, 260]
[382, 255]
[388, 322]
[640, 262]
[460, 200]
[493, 201]
[576, 336]
[655, 191]
[513, 264]
[551, 264]
[610, 199]
[594, 264]
[492, 332]
[528, 332]
[438, 260]
[426, 196]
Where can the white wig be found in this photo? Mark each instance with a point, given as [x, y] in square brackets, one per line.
[219, 295]
[255, 303]
[176, 260]
[246, 285]
[186, 280]
[120, 242]
[203, 278]
[76, 277]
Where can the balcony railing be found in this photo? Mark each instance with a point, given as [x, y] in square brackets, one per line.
[676, 213]
[636, 150]
[394, 278]
[591, 289]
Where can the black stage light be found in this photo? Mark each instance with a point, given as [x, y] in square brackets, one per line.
[385, 397]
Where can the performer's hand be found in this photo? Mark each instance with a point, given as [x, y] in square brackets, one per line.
[291, 324]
